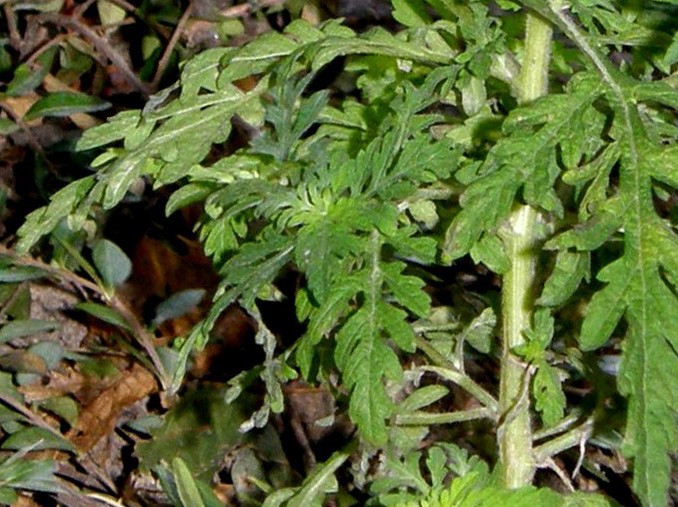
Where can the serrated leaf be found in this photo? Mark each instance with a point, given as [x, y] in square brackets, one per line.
[479, 332]
[363, 355]
[111, 262]
[569, 270]
[166, 150]
[548, 394]
[65, 104]
[324, 318]
[252, 269]
[44, 220]
[635, 288]
[364, 359]
[318, 253]
[408, 290]
[490, 251]
[606, 220]
[525, 157]
[187, 195]
[410, 13]
[114, 129]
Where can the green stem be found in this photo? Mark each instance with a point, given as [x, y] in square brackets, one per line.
[418, 418]
[563, 442]
[449, 371]
[521, 238]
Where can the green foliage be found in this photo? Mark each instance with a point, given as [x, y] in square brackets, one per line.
[422, 162]
[472, 485]
[17, 474]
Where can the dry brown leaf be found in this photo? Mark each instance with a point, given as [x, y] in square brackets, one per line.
[99, 417]
[25, 501]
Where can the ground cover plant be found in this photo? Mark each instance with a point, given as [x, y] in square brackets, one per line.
[459, 233]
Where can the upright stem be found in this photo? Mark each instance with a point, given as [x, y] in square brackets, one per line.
[521, 238]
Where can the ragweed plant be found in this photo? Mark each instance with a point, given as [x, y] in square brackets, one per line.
[536, 137]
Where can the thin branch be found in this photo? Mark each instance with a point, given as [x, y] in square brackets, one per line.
[240, 10]
[561, 426]
[102, 46]
[78, 12]
[30, 417]
[14, 37]
[449, 371]
[565, 441]
[32, 140]
[164, 59]
[550, 464]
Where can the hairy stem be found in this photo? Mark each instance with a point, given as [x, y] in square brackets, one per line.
[521, 239]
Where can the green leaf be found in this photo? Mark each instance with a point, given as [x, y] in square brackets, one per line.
[410, 13]
[178, 304]
[114, 129]
[422, 397]
[364, 357]
[14, 274]
[408, 290]
[112, 263]
[27, 78]
[190, 127]
[7, 127]
[32, 475]
[64, 407]
[480, 331]
[548, 394]
[318, 483]
[525, 157]
[37, 439]
[187, 195]
[44, 220]
[19, 328]
[186, 486]
[104, 313]
[569, 270]
[490, 251]
[65, 104]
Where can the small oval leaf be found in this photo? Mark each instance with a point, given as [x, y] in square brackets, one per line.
[65, 104]
[112, 263]
[177, 305]
[19, 328]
